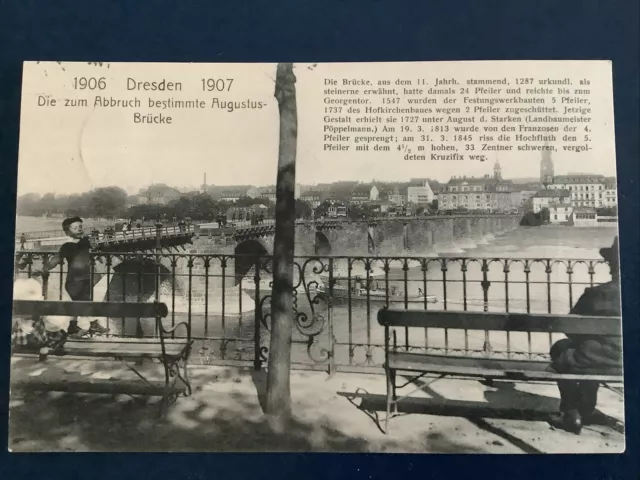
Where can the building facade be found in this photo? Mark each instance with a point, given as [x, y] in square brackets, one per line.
[587, 190]
[584, 217]
[547, 197]
[492, 194]
[420, 194]
[311, 197]
[560, 212]
[158, 195]
[269, 194]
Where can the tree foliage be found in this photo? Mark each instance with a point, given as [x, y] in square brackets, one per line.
[113, 202]
[303, 210]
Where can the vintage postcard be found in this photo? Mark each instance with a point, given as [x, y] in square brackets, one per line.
[341, 257]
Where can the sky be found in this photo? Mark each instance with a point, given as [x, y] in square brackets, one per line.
[73, 149]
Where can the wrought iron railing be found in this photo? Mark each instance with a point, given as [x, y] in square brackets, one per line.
[225, 299]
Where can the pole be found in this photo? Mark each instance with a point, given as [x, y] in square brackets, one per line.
[278, 402]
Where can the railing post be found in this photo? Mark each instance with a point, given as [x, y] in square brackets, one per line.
[485, 292]
[332, 356]
[45, 276]
[158, 236]
[257, 361]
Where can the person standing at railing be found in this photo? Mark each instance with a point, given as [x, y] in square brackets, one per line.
[76, 252]
[23, 241]
[578, 353]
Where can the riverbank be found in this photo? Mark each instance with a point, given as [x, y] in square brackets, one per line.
[26, 224]
[341, 413]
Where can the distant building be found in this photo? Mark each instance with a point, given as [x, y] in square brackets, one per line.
[546, 168]
[380, 206]
[584, 217]
[610, 194]
[587, 190]
[521, 195]
[269, 194]
[546, 197]
[420, 194]
[312, 197]
[396, 196]
[338, 192]
[560, 212]
[364, 194]
[488, 193]
[252, 192]
[159, 194]
[230, 196]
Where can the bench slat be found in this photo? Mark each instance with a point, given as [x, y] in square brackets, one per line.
[119, 347]
[512, 322]
[108, 347]
[90, 309]
[492, 368]
[110, 387]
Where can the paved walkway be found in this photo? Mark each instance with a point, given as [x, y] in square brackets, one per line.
[339, 414]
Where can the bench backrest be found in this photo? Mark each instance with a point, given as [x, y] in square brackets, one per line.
[511, 322]
[90, 309]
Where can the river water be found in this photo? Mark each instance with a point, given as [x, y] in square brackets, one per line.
[561, 262]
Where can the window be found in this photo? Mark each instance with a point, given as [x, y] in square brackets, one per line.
[555, 217]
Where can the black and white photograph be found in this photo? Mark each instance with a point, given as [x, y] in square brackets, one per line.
[417, 257]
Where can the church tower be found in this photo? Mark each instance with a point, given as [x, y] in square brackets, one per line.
[497, 171]
[546, 168]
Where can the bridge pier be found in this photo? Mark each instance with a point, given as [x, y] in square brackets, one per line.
[444, 237]
[464, 238]
[385, 237]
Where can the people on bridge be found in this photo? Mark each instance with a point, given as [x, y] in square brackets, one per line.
[23, 241]
[578, 353]
[76, 252]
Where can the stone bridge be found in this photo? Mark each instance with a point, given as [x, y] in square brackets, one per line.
[385, 237]
[186, 281]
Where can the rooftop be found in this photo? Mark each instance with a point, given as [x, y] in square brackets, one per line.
[579, 178]
[477, 180]
[160, 190]
[552, 193]
[362, 189]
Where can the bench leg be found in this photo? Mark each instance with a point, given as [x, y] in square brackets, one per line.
[390, 388]
[393, 392]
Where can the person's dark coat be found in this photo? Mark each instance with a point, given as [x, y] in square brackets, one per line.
[584, 352]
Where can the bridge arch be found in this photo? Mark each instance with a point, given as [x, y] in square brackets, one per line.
[247, 254]
[322, 244]
[134, 279]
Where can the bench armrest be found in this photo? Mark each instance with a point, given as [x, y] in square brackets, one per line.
[166, 331]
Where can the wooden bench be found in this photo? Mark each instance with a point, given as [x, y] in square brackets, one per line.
[399, 359]
[173, 353]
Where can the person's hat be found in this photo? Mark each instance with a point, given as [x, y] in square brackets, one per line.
[611, 254]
